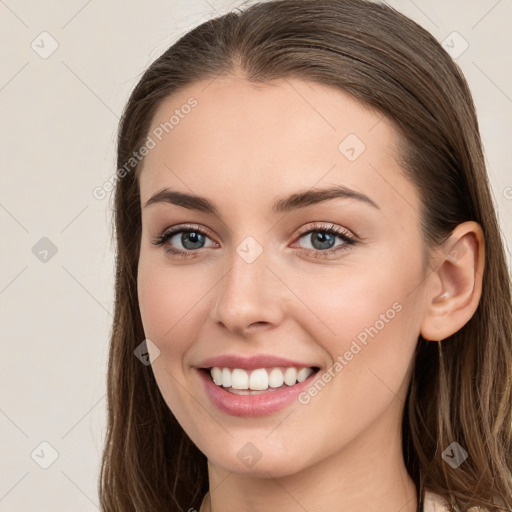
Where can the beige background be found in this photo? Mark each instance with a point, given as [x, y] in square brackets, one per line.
[59, 117]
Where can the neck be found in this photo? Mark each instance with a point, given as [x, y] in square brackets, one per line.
[364, 475]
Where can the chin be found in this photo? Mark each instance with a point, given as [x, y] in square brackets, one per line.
[270, 465]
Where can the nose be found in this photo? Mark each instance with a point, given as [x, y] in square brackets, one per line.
[249, 297]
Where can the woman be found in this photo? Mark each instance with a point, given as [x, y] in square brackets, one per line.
[310, 274]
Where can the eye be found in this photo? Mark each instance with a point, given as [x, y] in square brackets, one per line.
[192, 238]
[322, 239]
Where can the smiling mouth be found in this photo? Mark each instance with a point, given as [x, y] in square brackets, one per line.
[261, 380]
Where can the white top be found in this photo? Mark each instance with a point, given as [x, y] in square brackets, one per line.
[434, 503]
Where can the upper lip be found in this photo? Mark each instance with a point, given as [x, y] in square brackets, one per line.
[251, 362]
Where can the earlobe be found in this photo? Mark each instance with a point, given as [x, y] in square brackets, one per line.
[455, 285]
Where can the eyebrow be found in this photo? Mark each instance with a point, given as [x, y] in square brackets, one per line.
[295, 201]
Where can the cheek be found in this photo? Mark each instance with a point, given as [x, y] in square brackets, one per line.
[169, 302]
[370, 319]
[155, 301]
[369, 327]
[340, 305]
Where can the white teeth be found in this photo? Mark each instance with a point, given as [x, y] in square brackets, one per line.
[226, 378]
[239, 379]
[275, 378]
[259, 379]
[303, 374]
[290, 376]
[217, 376]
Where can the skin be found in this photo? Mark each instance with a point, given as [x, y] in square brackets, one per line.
[242, 147]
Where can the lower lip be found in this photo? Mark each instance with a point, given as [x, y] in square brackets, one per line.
[253, 405]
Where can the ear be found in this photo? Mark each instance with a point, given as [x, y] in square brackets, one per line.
[455, 284]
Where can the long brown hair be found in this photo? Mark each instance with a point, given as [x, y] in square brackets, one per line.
[461, 389]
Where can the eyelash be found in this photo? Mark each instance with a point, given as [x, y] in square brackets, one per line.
[318, 227]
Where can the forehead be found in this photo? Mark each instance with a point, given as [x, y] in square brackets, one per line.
[258, 141]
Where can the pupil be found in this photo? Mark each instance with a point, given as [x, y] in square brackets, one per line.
[325, 240]
[192, 237]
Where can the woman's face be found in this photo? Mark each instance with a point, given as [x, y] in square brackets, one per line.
[267, 276]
